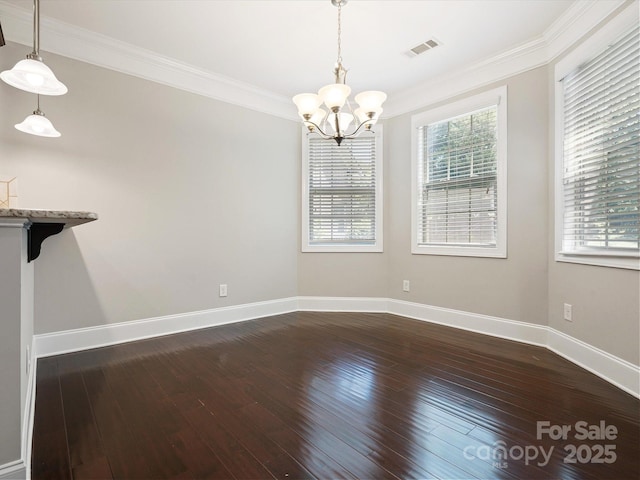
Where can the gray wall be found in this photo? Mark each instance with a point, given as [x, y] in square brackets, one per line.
[512, 288]
[188, 196]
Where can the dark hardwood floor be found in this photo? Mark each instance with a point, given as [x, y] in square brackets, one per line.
[329, 395]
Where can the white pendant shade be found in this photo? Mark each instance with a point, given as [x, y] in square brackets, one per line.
[318, 116]
[344, 119]
[34, 76]
[307, 103]
[38, 124]
[334, 95]
[371, 101]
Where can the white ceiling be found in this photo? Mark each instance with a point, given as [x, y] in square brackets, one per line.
[284, 47]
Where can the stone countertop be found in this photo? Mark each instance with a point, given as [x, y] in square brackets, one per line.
[69, 218]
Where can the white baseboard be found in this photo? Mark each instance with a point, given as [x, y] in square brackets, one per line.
[614, 370]
[93, 337]
[619, 372]
[343, 304]
[495, 326]
[13, 471]
[21, 469]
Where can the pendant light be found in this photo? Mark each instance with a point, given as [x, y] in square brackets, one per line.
[31, 74]
[335, 123]
[38, 124]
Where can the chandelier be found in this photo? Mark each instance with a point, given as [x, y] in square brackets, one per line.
[336, 122]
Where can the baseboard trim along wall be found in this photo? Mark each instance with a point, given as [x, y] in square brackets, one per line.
[620, 373]
[111, 334]
[13, 470]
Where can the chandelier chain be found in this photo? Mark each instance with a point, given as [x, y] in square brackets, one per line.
[339, 33]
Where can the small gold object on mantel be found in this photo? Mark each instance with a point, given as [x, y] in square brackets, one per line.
[8, 191]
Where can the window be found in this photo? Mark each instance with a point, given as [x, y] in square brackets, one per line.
[598, 176]
[459, 178]
[342, 194]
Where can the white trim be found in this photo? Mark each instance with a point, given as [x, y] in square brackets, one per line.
[343, 304]
[13, 470]
[568, 29]
[29, 412]
[93, 337]
[81, 44]
[576, 22]
[614, 370]
[617, 371]
[9, 222]
[523, 332]
[609, 33]
[495, 97]
[90, 47]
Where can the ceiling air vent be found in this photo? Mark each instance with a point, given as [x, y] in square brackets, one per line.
[423, 47]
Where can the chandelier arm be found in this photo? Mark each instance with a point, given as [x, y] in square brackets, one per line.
[355, 132]
[319, 130]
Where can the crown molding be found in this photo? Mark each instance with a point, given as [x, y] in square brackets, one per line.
[567, 30]
[90, 47]
[81, 44]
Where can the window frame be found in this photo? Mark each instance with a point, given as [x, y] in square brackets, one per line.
[581, 54]
[377, 246]
[495, 97]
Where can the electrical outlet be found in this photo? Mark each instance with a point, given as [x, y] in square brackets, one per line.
[568, 314]
[406, 285]
[223, 289]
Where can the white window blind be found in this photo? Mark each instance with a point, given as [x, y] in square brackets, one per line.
[342, 187]
[458, 194]
[601, 169]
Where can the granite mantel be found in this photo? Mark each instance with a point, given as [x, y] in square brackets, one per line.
[41, 224]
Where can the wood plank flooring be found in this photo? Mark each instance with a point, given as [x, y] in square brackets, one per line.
[328, 396]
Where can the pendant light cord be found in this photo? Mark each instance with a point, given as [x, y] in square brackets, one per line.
[36, 27]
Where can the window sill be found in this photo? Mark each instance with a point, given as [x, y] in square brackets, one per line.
[460, 251]
[629, 263]
[342, 249]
